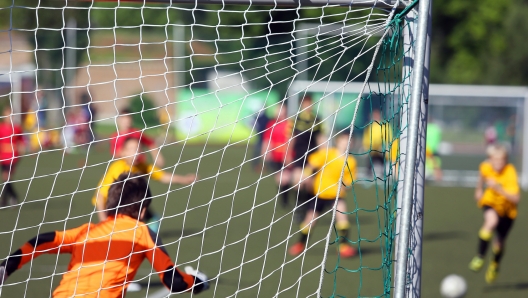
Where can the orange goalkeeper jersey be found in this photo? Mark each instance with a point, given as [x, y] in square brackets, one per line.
[105, 258]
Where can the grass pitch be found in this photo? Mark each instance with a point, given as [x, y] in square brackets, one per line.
[233, 222]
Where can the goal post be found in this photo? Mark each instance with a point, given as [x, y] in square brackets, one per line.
[282, 140]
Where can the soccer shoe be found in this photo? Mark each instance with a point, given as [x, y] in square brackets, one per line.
[476, 264]
[297, 249]
[200, 278]
[492, 272]
[134, 287]
[347, 251]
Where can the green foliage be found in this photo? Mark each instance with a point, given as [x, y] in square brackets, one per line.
[144, 111]
[22, 17]
[480, 42]
[474, 41]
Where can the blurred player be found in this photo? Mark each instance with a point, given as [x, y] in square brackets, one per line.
[124, 131]
[131, 162]
[499, 203]
[305, 133]
[275, 151]
[328, 162]
[433, 162]
[106, 256]
[261, 123]
[11, 144]
[376, 138]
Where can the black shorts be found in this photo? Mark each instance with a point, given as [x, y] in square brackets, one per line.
[301, 151]
[320, 205]
[299, 161]
[503, 227]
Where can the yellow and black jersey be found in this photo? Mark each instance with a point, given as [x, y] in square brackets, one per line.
[306, 130]
[376, 137]
[507, 179]
[330, 163]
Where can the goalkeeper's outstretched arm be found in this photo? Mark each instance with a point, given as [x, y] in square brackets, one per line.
[45, 243]
[173, 278]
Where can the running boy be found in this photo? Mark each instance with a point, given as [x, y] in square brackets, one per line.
[131, 162]
[275, 151]
[106, 256]
[11, 144]
[499, 203]
[328, 162]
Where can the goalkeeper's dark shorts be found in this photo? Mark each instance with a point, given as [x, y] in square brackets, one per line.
[503, 227]
[320, 205]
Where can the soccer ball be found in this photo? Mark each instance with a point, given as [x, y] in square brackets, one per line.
[453, 286]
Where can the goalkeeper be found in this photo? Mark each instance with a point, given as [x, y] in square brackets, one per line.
[499, 203]
[132, 162]
[106, 256]
[328, 162]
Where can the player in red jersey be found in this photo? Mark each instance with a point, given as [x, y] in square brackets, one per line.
[126, 131]
[276, 153]
[11, 144]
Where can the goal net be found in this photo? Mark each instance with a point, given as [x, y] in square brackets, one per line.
[271, 177]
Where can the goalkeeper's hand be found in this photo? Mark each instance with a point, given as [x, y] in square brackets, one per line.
[201, 282]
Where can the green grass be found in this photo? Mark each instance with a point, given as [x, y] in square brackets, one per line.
[238, 240]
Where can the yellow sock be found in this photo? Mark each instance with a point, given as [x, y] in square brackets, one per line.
[305, 228]
[485, 235]
[342, 225]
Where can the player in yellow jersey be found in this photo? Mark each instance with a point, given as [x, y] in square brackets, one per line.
[499, 201]
[328, 164]
[131, 163]
[376, 138]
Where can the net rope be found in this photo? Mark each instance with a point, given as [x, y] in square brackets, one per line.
[196, 79]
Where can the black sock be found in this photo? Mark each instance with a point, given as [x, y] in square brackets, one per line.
[482, 247]
[304, 237]
[342, 231]
[484, 240]
[10, 191]
[284, 192]
[497, 255]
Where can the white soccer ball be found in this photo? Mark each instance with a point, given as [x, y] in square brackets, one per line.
[453, 286]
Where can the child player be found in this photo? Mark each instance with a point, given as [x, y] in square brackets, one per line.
[131, 162]
[11, 144]
[275, 151]
[124, 131]
[499, 203]
[306, 130]
[106, 256]
[328, 162]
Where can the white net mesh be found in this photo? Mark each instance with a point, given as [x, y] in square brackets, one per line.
[207, 89]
